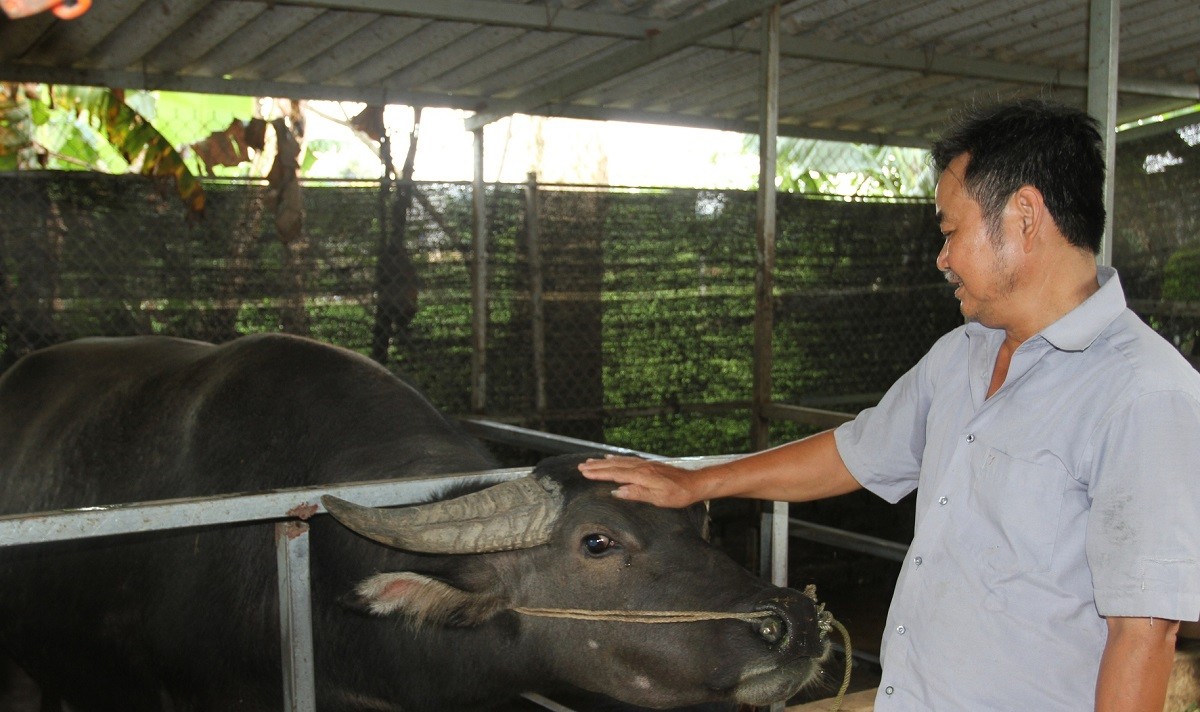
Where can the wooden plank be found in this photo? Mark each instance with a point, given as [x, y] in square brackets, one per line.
[1183, 691]
[862, 701]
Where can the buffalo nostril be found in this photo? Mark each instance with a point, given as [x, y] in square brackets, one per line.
[791, 623]
[772, 629]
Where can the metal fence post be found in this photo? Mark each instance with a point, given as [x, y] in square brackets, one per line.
[533, 245]
[764, 279]
[479, 295]
[295, 617]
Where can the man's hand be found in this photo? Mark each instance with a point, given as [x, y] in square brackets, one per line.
[645, 480]
[799, 471]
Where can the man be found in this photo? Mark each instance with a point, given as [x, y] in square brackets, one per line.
[1053, 440]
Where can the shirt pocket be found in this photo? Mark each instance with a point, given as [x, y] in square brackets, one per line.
[1019, 504]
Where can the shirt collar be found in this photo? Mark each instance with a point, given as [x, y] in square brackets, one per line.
[1078, 328]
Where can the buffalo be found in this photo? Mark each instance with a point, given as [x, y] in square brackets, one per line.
[445, 605]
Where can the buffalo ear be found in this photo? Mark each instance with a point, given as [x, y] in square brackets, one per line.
[425, 601]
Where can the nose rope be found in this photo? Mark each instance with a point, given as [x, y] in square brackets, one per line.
[825, 623]
[848, 663]
[640, 616]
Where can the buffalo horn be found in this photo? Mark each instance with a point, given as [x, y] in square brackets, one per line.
[511, 515]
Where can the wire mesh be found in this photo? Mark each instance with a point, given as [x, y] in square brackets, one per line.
[1156, 232]
[618, 315]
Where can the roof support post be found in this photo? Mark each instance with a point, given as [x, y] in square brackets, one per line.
[479, 305]
[764, 277]
[1104, 27]
[775, 518]
[622, 60]
[537, 310]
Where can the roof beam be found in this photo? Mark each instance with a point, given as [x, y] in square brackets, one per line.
[542, 17]
[376, 95]
[956, 66]
[1135, 133]
[487, 12]
[370, 95]
[679, 35]
[738, 125]
[239, 87]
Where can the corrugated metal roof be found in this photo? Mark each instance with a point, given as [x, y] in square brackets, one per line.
[868, 70]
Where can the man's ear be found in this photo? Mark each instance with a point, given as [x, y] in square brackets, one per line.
[424, 601]
[1030, 208]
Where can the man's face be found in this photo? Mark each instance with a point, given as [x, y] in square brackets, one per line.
[979, 264]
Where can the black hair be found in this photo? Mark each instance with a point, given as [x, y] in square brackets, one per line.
[1054, 148]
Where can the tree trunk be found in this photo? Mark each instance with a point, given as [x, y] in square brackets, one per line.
[396, 287]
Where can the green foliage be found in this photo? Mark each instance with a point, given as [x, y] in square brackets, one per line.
[649, 295]
[682, 435]
[186, 118]
[1180, 283]
[136, 139]
[36, 133]
[16, 129]
[95, 129]
[1181, 276]
[858, 299]
[850, 169]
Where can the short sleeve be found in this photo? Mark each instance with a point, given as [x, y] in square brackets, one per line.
[883, 446]
[1143, 533]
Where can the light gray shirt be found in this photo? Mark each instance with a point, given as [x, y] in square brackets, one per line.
[1071, 494]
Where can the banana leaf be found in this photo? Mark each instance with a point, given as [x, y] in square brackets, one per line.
[137, 140]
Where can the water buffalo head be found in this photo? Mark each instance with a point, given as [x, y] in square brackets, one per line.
[536, 559]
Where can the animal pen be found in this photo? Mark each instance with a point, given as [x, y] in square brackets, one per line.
[616, 316]
[652, 320]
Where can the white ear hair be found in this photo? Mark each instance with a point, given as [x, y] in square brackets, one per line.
[425, 601]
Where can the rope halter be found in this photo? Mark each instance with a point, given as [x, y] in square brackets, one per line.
[825, 623]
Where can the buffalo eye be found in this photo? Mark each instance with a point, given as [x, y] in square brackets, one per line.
[596, 544]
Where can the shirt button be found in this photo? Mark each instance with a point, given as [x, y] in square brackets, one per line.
[888, 690]
[918, 561]
[970, 437]
[943, 500]
[900, 630]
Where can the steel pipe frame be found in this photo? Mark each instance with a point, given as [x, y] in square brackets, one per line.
[288, 508]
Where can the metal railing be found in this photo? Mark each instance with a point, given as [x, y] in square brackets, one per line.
[289, 508]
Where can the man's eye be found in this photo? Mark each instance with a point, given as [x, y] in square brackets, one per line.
[597, 544]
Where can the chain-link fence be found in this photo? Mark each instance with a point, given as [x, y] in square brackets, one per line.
[642, 328]
[1156, 232]
[632, 323]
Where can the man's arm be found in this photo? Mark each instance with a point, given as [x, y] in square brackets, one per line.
[1136, 665]
[799, 471]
